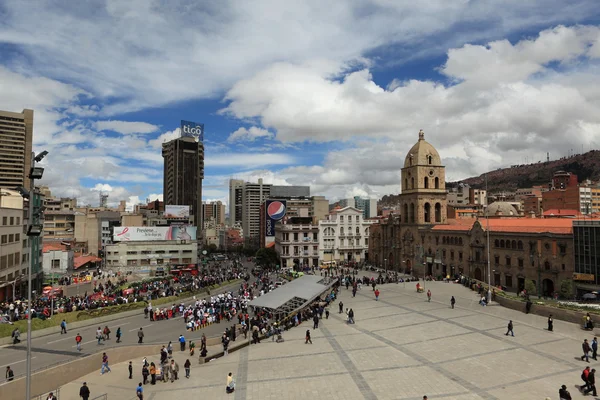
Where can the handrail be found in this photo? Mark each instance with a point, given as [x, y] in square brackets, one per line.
[44, 396]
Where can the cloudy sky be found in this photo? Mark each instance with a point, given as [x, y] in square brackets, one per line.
[327, 94]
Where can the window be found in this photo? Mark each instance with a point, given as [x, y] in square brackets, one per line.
[341, 218]
[452, 254]
[11, 238]
[12, 220]
[357, 230]
[563, 267]
[4, 220]
[477, 255]
[562, 249]
[55, 264]
[173, 251]
[4, 238]
[427, 212]
[426, 182]
[437, 182]
[429, 160]
[496, 260]
[438, 212]
[496, 243]
[520, 263]
[18, 220]
[460, 257]
[508, 261]
[412, 183]
[3, 262]
[520, 245]
[502, 243]
[547, 265]
[17, 237]
[11, 259]
[508, 281]
[443, 253]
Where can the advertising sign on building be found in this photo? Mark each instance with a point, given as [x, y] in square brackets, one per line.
[177, 211]
[192, 129]
[153, 233]
[274, 211]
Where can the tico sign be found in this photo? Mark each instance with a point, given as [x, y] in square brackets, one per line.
[192, 129]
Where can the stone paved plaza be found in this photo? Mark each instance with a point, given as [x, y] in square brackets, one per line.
[401, 347]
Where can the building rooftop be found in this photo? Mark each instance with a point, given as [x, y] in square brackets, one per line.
[513, 225]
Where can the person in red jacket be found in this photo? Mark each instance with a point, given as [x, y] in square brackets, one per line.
[377, 295]
[78, 340]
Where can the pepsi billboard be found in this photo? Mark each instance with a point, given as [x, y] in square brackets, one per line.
[192, 129]
[274, 211]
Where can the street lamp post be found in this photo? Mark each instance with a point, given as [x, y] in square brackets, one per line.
[385, 265]
[32, 231]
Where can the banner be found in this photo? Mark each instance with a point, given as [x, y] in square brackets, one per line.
[192, 129]
[274, 211]
[153, 233]
[177, 211]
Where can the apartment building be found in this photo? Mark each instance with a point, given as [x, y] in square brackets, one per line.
[214, 213]
[138, 256]
[297, 242]
[344, 236]
[59, 218]
[16, 138]
[366, 205]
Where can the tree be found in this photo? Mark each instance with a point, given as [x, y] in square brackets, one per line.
[266, 257]
[212, 248]
[566, 289]
[530, 287]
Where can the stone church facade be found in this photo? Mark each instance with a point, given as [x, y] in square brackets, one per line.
[420, 239]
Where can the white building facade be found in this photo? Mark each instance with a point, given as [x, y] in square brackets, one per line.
[297, 245]
[57, 261]
[344, 236]
[148, 255]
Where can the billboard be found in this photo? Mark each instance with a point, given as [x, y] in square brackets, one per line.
[177, 212]
[192, 129]
[274, 211]
[153, 233]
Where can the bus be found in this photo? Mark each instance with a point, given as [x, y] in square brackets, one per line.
[328, 264]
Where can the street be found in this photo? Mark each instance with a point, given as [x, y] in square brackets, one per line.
[56, 348]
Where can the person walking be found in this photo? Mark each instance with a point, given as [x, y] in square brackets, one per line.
[315, 321]
[84, 391]
[99, 335]
[564, 394]
[429, 295]
[118, 335]
[187, 366]
[63, 327]
[104, 364]
[174, 370]
[182, 343]
[377, 295]
[550, 323]
[139, 391]
[308, 340]
[585, 346]
[584, 377]
[230, 388]
[510, 329]
[10, 375]
[225, 343]
[341, 307]
[327, 314]
[130, 369]
[140, 336]
[594, 347]
[452, 302]
[78, 340]
[591, 383]
[106, 332]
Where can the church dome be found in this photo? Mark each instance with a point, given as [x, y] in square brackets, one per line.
[502, 208]
[422, 153]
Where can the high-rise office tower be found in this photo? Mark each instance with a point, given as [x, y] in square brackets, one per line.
[183, 175]
[215, 211]
[16, 137]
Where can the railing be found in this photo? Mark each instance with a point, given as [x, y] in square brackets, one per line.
[101, 397]
[44, 396]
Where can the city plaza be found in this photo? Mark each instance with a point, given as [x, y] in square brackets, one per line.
[401, 347]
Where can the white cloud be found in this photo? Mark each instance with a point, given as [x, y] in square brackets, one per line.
[125, 127]
[165, 137]
[247, 160]
[249, 135]
[145, 62]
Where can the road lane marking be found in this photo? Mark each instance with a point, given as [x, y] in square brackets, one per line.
[137, 329]
[16, 362]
